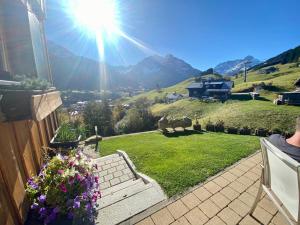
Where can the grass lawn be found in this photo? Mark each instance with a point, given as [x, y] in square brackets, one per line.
[178, 163]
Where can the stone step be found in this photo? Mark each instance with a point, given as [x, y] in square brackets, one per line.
[128, 207]
[119, 187]
[120, 195]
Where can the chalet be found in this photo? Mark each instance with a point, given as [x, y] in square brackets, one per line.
[220, 89]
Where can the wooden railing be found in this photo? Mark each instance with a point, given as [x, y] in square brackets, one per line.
[21, 144]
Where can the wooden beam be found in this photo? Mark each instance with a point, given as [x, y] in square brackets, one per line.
[44, 104]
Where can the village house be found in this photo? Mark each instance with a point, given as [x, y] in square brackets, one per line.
[218, 89]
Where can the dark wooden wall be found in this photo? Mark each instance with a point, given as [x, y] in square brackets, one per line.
[20, 158]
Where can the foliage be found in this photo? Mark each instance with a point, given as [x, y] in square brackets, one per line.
[69, 131]
[245, 131]
[261, 132]
[32, 83]
[197, 126]
[209, 126]
[178, 163]
[100, 115]
[65, 186]
[118, 113]
[232, 130]
[219, 126]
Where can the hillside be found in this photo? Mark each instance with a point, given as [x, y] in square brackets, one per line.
[289, 56]
[253, 113]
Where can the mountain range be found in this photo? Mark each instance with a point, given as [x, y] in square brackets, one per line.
[71, 71]
[233, 67]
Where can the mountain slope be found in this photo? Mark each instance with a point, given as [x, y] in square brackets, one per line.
[233, 67]
[289, 56]
[76, 72]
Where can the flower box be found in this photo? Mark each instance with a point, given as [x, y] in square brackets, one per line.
[65, 144]
[18, 105]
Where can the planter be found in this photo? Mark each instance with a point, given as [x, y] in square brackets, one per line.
[65, 144]
[18, 105]
[33, 219]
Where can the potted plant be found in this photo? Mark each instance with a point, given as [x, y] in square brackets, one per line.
[67, 135]
[64, 192]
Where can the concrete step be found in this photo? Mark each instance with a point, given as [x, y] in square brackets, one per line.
[130, 206]
[120, 195]
[119, 187]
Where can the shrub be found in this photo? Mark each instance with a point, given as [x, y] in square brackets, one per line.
[245, 131]
[262, 132]
[66, 186]
[210, 126]
[232, 130]
[69, 132]
[219, 126]
[197, 126]
[275, 131]
[287, 134]
[100, 115]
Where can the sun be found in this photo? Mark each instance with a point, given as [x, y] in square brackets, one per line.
[99, 17]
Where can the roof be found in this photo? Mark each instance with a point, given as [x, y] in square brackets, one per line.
[218, 90]
[225, 84]
[195, 85]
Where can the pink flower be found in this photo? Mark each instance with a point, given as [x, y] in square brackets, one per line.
[63, 188]
[60, 172]
[97, 180]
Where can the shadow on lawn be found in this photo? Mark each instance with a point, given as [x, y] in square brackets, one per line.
[178, 133]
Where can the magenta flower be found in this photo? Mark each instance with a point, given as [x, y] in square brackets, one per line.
[63, 188]
[60, 172]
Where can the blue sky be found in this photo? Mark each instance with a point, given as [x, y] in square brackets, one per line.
[201, 32]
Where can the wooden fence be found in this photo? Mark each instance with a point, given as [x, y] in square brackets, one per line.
[20, 158]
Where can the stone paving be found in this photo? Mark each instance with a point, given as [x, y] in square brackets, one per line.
[113, 170]
[224, 199]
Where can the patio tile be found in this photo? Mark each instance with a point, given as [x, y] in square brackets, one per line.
[209, 208]
[245, 181]
[229, 176]
[196, 217]
[237, 186]
[248, 220]
[252, 176]
[147, 221]
[220, 200]
[215, 221]
[229, 216]
[239, 207]
[115, 181]
[278, 219]
[222, 182]
[229, 193]
[177, 209]
[247, 198]
[181, 221]
[212, 187]
[268, 205]
[236, 172]
[242, 167]
[252, 190]
[190, 200]
[262, 215]
[162, 217]
[250, 163]
[202, 193]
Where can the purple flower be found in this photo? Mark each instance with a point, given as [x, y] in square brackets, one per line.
[76, 204]
[43, 211]
[88, 207]
[56, 210]
[34, 206]
[70, 215]
[32, 184]
[42, 198]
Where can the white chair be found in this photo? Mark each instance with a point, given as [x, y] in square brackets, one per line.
[280, 179]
